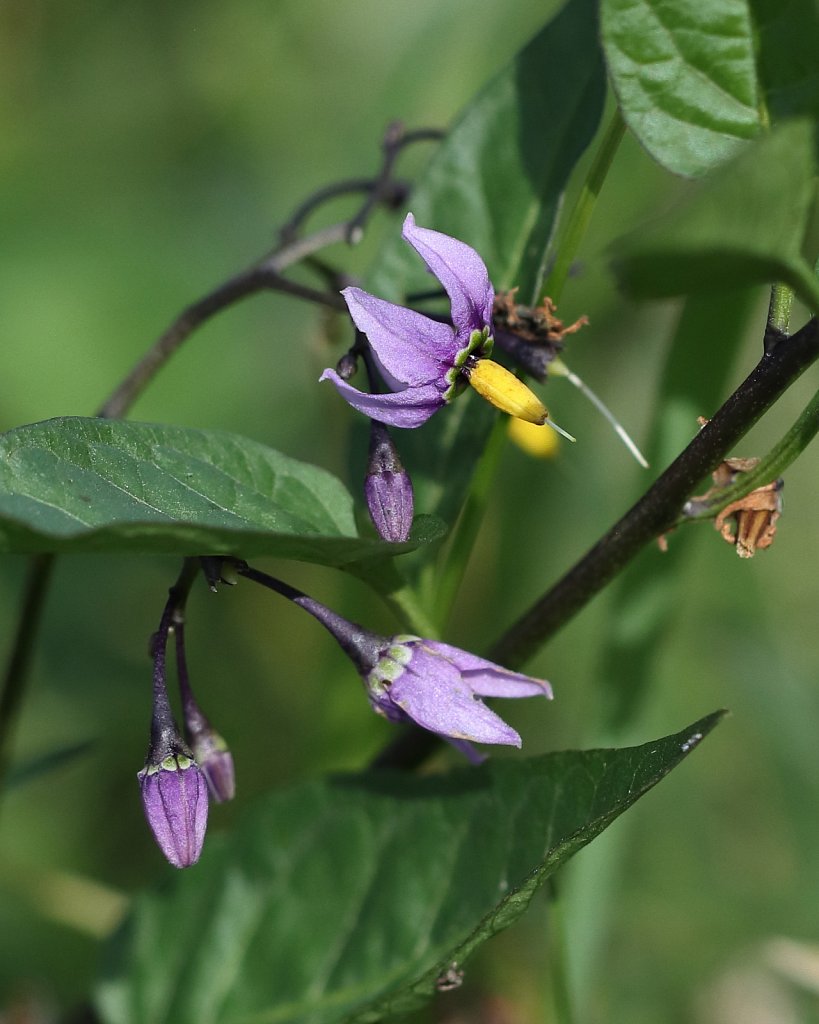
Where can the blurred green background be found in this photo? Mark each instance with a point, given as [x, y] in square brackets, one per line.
[149, 151]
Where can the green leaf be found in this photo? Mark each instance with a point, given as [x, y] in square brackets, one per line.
[744, 224]
[788, 31]
[346, 899]
[75, 484]
[496, 182]
[684, 74]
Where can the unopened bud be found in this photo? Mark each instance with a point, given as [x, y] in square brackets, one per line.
[388, 488]
[175, 799]
[347, 366]
[216, 764]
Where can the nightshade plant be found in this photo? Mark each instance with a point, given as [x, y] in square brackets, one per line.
[363, 895]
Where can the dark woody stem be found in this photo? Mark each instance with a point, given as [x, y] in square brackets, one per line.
[359, 644]
[658, 509]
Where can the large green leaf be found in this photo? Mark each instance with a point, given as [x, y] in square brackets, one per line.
[685, 77]
[347, 899]
[77, 484]
[744, 224]
[496, 182]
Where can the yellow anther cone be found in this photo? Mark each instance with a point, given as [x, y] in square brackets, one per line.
[503, 389]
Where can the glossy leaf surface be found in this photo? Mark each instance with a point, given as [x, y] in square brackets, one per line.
[685, 77]
[77, 484]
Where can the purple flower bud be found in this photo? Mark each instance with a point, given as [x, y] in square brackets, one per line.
[209, 748]
[346, 366]
[387, 487]
[175, 798]
[216, 764]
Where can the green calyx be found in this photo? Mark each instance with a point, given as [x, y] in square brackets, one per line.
[480, 345]
[171, 763]
[392, 663]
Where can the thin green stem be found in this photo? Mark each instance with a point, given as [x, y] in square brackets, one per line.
[469, 522]
[794, 442]
[779, 310]
[406, 607]
[581, 214]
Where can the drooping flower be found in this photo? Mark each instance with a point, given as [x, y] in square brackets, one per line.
[441, 688]
[387, 487]
[424, 362]
[409, 679]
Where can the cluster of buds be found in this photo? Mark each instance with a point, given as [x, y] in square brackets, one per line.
[181, 773]
[406, 679]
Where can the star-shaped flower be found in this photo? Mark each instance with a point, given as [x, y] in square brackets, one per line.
[424, 362]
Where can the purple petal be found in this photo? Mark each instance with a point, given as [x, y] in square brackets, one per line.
[406, 409]
[460, 270]
[410, 347]
[488, 679]
[433, 694]
[176, 806]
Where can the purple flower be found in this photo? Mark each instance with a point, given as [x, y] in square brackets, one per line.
[425, 363]
[441, 688]
[387, 487]
[175, 798]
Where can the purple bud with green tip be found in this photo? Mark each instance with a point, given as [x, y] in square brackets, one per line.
[387, 487]
[175, 799]
[174, 790]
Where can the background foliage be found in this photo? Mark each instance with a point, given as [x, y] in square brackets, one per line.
[150, 151]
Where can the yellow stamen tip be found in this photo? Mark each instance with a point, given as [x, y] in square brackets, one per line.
[506, 392]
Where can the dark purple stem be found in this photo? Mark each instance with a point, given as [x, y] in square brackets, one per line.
[359, 644]
[165, 735]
